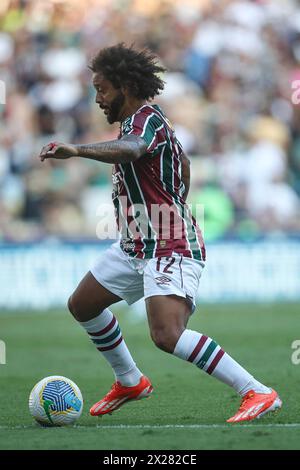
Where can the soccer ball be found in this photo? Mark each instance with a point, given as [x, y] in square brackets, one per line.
[55, 401]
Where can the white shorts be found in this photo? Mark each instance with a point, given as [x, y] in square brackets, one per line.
[132, 279]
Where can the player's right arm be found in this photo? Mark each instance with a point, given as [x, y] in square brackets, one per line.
[127, 149]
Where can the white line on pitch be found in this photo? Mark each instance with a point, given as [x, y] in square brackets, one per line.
[165, 426]
[186, 426]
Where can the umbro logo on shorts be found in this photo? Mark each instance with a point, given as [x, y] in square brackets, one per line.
[162, 280]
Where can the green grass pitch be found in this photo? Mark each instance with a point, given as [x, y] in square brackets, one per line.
[188, 409]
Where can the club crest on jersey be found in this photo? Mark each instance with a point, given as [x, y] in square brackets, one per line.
[127, 245]
[163, 280]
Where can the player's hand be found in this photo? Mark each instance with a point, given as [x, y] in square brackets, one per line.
[58, 150]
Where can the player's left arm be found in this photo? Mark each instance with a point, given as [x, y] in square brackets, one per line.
[185, 174]
[125, 150]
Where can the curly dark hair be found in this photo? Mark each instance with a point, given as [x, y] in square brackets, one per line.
[125, 66]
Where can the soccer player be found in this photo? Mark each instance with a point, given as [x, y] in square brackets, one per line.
[160, 255]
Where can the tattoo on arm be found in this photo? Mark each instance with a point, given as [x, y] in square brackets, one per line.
[125, 150]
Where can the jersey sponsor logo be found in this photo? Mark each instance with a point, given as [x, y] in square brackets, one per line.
[163, 280]
[116, 177]
[127, 127]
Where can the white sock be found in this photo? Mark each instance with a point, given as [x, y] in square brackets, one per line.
[206, 354]
[105, 333]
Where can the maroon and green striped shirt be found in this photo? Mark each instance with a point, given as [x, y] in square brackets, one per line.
[150, 185]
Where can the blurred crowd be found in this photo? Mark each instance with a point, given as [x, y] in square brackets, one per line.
[231, 67]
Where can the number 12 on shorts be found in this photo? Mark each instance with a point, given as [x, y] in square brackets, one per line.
[167, 267]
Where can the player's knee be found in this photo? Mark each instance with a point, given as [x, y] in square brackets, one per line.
[71, 306]
[165, 340]
[82, 308]
[75, 307]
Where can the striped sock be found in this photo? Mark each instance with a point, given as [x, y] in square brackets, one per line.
[104, 331]
[206, 354]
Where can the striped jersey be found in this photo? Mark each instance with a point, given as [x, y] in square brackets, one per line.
[152, 217]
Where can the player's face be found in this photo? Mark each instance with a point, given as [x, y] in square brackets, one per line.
[110, 99]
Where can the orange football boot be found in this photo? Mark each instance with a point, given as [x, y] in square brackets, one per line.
[254, 405]
[119, 395]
